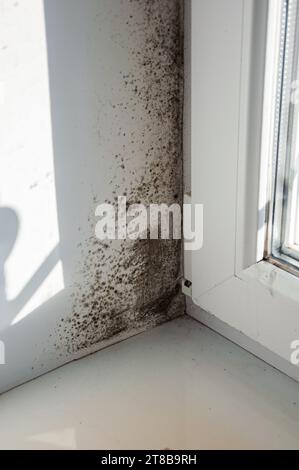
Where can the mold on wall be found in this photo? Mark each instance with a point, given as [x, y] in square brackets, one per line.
[92, 111]
[133, 285]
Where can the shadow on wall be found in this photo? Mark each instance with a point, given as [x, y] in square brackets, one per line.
[9, 225]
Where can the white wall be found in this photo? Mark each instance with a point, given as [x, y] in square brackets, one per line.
[90, 110]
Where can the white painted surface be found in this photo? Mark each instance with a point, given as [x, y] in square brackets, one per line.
[257, 299]
[188, 254]
[187, 96]
[216, 53]
[262, 303]
[246, 342]
[248, 212]
[180, 386]
[33, 270]
[228, 44]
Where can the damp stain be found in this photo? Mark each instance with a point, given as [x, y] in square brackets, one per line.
[130, 285]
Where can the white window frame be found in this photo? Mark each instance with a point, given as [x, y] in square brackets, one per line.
[232, 108]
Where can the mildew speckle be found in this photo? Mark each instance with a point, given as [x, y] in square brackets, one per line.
[126, 286]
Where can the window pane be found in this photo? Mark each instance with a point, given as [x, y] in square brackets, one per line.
[285, 213]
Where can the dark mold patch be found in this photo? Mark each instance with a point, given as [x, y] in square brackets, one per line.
[133, 285]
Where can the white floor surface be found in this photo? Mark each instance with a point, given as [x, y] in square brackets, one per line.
[179, 386]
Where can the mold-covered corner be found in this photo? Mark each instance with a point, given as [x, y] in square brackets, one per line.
[123, 287]
[93, 110]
